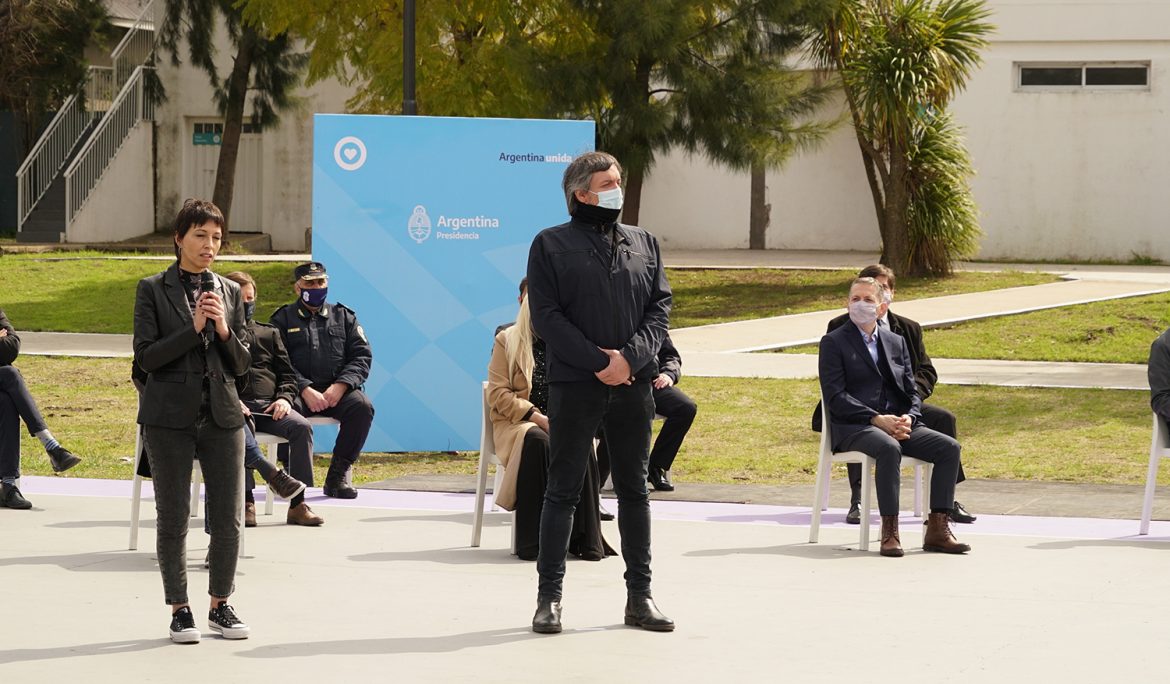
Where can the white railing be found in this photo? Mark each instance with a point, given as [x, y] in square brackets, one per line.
[134, 103]
[136, 47]
[48, 155]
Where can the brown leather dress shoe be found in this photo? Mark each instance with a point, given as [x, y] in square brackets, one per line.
[301, 514]
[249, 514]
[938, 537]
[285, 486]
[891, 542]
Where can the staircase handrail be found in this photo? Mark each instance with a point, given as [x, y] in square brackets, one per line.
[133, 104]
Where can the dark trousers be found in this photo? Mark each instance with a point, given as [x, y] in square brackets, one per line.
[221, 458]
[16, 404]
[356, 414]
[934, 417]
[924, 444]
[585, 540]
[296, 429]
[679, 411]
[576, 411]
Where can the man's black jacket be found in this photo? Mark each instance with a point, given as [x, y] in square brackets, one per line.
[271, 375]
[585, 295]
[10, 344]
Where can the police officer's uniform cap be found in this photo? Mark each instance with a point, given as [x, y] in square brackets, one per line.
[312, 270]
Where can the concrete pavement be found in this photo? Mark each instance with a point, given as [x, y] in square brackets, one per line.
[388, 590]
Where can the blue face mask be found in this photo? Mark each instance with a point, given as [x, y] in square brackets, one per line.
[609, 199]
[249, 310]
[314, 298]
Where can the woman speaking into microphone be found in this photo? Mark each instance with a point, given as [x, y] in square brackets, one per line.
[188, 338]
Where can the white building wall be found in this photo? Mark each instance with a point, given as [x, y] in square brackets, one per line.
[1060, 175]
[123, 199]
[287, 149]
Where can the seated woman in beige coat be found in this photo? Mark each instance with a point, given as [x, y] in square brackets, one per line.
[518, 394]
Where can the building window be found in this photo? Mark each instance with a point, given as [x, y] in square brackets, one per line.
[1084, 76]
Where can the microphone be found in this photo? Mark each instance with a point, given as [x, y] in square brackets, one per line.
[207, 284]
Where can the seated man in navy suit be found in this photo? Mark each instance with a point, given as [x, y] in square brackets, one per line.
[867, 382]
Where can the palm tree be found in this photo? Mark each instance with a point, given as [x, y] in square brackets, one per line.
[900, 63]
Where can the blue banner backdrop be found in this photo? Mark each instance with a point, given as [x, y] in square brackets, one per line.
[424, 225]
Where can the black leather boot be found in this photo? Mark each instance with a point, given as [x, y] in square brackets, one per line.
[641, 612]
[548, 617]
[335, 485]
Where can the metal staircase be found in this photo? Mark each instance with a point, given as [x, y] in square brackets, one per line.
[79, 143]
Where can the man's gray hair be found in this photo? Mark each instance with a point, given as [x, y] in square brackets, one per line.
[580, 172]
[866, 280]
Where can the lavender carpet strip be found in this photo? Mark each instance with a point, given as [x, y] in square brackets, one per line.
[788, 516]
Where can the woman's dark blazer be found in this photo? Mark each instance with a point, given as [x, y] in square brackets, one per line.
[167, 347]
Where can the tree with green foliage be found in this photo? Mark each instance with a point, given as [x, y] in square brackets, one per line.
[42, 56]
[900, 63]
[263, 64]
[708, 76]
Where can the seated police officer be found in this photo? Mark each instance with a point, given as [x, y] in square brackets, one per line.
[331, 358]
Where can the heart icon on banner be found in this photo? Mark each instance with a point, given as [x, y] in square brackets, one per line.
[350, 153]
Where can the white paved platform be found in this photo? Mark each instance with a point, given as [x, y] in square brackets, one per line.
[387, 590]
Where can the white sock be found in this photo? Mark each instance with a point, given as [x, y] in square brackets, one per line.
[47, 440]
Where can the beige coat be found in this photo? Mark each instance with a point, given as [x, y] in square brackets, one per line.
[508, 391]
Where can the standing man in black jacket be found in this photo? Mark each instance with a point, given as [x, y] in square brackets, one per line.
[599, 298]
[16, 403]
[934, 417]
[331, 358]
[1158, 372]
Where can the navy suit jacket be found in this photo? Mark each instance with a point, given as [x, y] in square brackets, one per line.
[852, 384]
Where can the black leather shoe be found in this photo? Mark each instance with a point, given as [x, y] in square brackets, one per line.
[960, 514]
[660, 480]
[338, 490]
[853, 517]
[548, 617]
[641, 612]
[605, 515]
[62, 459]
[10, 497]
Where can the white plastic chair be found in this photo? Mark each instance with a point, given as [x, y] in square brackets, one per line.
[273, 443]
[487, 456]
[1159, 449]
[825, 461]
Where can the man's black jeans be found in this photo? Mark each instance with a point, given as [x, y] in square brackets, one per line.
[15, 404]
[576, 410]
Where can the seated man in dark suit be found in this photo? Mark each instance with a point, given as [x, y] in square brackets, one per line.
[1159, 374]
[867, 381]
[934, 417]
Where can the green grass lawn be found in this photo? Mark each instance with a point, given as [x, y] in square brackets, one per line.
[703, 296]
[1114, 331]
[747, 430]
[1117, 331]
[71, 293]
[97, 295]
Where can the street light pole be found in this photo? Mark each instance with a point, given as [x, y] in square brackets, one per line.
[409, 105]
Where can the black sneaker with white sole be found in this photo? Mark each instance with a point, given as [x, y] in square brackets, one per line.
[223, 619]
[183, 629]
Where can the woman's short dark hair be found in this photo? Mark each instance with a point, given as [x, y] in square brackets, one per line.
[196, 212]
